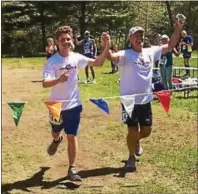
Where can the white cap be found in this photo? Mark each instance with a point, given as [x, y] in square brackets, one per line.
[135, 29]
[87, 32]
[164, 36]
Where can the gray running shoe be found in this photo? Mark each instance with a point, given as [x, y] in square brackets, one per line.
[139, 150]
[52, 148]
[130, 164]
[73, 174]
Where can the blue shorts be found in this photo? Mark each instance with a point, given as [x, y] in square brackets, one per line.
[90, 55]
[70, 121]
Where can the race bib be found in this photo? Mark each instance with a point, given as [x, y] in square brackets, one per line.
[87, 49]
[54, 121]
[124, 117]
[184, 47]
[163, 61]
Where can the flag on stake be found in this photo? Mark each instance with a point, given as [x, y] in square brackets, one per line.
[17, 109]
[54, 108]
[102, 104]
[128, 103]
[164, 98]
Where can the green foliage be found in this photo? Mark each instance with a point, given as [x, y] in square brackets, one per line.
[21, 21]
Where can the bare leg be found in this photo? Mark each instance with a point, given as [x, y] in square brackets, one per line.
[87, 72]
[72, 149]
[144, 132]
[92, 72]
[55, 135]
[186, 64]
[132, 139]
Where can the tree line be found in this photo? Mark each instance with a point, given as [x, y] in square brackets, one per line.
[26, 25]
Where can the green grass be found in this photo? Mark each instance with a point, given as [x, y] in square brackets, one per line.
[170, 156]
[179, 62]
[30, 63]
[106, 83]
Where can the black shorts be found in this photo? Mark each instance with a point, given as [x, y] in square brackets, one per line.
[186, 55]
[142, 115]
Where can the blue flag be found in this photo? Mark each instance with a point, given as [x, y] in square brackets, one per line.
[102, 104]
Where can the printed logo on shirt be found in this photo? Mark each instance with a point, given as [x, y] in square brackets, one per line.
[142, 62]
[68, 67]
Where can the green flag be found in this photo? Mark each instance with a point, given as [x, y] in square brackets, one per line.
[17, 109]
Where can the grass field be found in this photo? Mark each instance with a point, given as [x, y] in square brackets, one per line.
[168, 166]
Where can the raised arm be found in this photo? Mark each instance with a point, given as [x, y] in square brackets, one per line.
[95, 48]
[77, 42]
[113, 56]
[176, 53]
[106, 43]
[174, 38]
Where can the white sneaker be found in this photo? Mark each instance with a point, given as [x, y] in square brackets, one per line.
[73, 174]
[87, 81]
[139, 150]
[94, 81]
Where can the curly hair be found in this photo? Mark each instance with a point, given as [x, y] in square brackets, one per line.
[64, 29]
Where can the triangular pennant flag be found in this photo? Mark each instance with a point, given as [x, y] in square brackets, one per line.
[17, 109]
[102, 104]
[164, 97]
[128, 103]
[54, 109]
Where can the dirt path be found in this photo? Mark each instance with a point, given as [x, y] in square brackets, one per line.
[26, 165]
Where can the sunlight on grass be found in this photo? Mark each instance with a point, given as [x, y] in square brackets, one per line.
[168, 165]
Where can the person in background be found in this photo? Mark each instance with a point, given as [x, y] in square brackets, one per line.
[166, 64]
[50, 47]
[114, 67]
[147, 43]
[128, 44]
[61, 73]
[186, 48]
[89, 50]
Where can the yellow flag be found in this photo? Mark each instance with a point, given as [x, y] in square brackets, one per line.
[54, 108]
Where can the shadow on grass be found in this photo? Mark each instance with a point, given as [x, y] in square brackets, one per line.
[37, 180]
[106, 73]
[118, 172]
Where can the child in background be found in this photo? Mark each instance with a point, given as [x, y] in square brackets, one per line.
[50, 47]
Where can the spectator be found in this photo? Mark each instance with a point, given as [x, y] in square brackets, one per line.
[166, 64]
[186, 48]
[114, 67]
[50, 47]
[89, 50]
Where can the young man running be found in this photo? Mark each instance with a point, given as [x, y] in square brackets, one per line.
[60, 73]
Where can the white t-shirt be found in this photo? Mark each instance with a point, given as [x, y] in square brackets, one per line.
[136, 71]
[65, 92]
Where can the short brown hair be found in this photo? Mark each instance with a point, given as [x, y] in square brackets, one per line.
[64, 29]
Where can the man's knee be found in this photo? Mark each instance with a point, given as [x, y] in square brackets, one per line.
[146, 131]
[71, 138]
